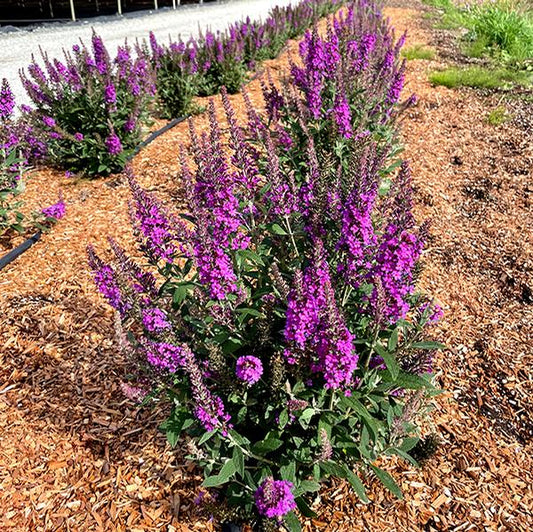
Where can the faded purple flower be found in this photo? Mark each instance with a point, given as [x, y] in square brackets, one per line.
[133, 393]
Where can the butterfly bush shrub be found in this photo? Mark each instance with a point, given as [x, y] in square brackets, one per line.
[201, 66]
[11, 165]
[18, 144]
[279, 312]
[90, 108]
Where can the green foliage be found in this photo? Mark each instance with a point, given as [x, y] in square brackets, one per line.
[497, 116]
[502, 29]
[83, 112]
[11, 185]
[478, 77]
[418, 52]
[176, 87]
[91, 111]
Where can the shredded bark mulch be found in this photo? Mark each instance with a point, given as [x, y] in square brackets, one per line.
[76, 455]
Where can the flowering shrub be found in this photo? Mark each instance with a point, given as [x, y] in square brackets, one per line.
[91, 109]
[200, 67]
[287, 332]
[11, 164]
[17, 145]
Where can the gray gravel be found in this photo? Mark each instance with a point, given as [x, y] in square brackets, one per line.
[17, 47]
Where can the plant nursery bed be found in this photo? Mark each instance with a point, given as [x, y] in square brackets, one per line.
[75, 454]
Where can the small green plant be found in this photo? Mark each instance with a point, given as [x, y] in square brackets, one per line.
[502, 28]
[478, 77]
[418, 52]
[497, 116]
[11, 185]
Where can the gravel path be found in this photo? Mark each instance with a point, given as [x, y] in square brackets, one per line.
[16, 48]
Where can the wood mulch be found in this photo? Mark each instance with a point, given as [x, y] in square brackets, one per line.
[75, 454]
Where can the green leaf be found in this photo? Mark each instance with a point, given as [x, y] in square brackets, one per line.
[238, 460]
[364, 415]
[412, 382]
[252, 256]
[212, 482]
[206, 436]
[292, 523]
[288, 472]
[332, 468]
[248, 312]
[269, 444]
[356, 484]
[283, 418]
[409, 443]
[393, 340]
[306, 416]
[390, 361]
[387, 481]
[402, 454]
[180, 293]
[278, 230]
[309, 485]
[304, 508]
[228, 470]
[174, 425]
[428, 345]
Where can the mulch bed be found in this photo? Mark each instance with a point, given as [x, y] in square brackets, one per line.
[76, 455]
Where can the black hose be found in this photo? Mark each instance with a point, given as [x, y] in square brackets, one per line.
[156, 134]
[19, 250]
[231, 527]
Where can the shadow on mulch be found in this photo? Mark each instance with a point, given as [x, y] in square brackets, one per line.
[68, 372]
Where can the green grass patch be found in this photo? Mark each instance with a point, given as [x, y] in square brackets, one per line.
[418, 52]
[502, 29]
[477, 77]
[497, 116]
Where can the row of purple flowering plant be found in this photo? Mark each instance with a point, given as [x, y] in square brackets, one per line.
[201, 66]
[17, 145]
[91, 109]
[286, 331]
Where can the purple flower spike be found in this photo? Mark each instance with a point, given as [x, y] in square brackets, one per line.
[7, 101]
[113, 144]
[49, 121]
[106, 281]
[110, 94]
[57, 210]
[249, 369]
[274, 498]
[155, 320]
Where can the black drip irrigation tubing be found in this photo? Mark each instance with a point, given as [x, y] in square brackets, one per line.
[157, 133]
[19, 250]
[27, 244]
